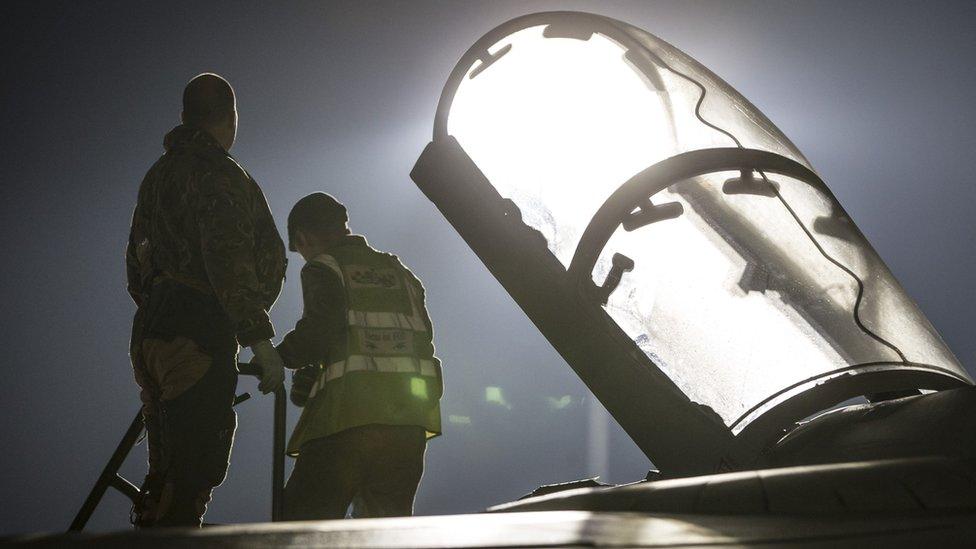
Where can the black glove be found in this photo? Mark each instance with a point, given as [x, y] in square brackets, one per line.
[302, 380]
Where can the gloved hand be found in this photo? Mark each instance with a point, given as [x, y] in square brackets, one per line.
[270, 362]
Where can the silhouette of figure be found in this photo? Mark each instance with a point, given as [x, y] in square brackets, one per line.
[368, 378]
[204, 264]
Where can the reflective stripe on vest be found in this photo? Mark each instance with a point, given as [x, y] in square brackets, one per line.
[377, 340]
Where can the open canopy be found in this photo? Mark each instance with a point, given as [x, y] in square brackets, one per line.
[745, 287]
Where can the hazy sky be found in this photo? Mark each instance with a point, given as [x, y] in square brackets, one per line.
[340, 97]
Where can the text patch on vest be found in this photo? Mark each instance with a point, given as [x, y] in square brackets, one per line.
[364, 276]
[384, 341]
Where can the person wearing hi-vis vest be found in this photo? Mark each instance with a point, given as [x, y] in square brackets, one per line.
[367, 377]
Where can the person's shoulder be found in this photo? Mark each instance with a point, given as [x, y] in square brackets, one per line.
[321, 266]
[409, 274]
[220, 173]
[359, 241]
[225, 167]
[157, 172]
[395, 260]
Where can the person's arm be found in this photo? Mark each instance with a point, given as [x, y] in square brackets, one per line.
[323, 321]
[422, 298]
[132, 268]
[137, 257]
[420, 294]
[227, 242]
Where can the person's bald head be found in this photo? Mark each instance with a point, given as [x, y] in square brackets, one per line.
[209, 104]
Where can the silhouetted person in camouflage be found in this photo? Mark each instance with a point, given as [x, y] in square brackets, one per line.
[204, 264]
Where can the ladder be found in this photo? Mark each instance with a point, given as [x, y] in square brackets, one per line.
[110, 477]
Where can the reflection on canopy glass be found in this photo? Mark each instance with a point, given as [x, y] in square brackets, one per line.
[753, 288]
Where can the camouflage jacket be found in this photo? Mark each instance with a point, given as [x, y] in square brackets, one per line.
[202, 221]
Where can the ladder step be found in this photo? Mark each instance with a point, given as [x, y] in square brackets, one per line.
[128, 489]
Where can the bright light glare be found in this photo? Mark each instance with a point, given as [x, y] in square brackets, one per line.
[557, 125]
[559, 403]
[493, 395]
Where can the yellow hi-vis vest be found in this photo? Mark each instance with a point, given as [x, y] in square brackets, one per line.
[384, 370]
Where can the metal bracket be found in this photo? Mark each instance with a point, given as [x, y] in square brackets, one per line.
[838, 227]
[621, 264]
[747, 183]
[488, 59]
[649, 213]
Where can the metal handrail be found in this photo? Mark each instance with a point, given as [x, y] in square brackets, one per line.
[278, 448]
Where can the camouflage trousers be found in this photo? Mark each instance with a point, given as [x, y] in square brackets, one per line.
[376, 468]
[188, 398]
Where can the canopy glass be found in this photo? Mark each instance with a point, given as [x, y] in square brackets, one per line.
[747, 288]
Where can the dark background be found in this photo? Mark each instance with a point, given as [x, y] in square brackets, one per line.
[340, 97]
